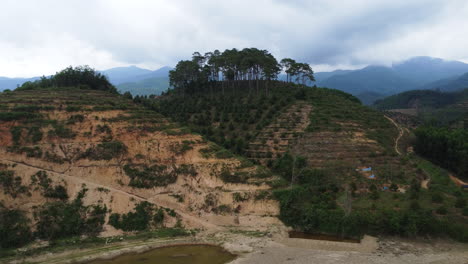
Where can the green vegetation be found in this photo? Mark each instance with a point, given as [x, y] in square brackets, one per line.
[12, 185]
[61, 131]
[14, 116]
[144, 215]
[232, 68]
[72, 77]
[318, 203]
[444, 146]
[105, 151]
[65, 219]
[55, 220]
[42, 180]
[14, 228]
[149, 177]
[433, 107]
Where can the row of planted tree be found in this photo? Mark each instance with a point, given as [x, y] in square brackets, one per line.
[248, 67]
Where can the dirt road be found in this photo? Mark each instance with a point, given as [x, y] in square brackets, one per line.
[400, 134]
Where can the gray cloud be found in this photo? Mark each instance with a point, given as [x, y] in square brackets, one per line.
[41, 37]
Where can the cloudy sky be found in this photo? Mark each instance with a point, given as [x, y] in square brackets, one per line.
[41, 37]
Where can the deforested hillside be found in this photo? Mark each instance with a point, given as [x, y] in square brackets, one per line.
[83, 161]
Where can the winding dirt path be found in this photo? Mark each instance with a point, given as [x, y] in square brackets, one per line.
[457, 181]
[400, 134]
[401, 131]
[186, 216]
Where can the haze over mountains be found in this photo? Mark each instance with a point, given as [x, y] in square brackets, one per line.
[375, 82]
[368, 84]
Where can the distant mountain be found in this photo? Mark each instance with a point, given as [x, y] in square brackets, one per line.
[12, 83]
[370, 80]
[129, 74]
[124, 74]
[321, 76]
[449, 84]
[423, 70]
[148, 86]
[376, 82]
[161, 72]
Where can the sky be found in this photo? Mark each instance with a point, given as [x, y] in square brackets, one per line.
[43, 37]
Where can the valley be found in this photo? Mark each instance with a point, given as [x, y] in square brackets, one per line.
[236, 162]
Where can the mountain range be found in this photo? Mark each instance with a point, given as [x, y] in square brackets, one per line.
[136, 80]
[376, 82]
[368, 84]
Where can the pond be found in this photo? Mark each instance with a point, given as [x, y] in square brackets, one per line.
[297, 234]
[178, 254]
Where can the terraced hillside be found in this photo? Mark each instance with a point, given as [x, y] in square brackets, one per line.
[56, 142]
[347, 169]
[275, 139]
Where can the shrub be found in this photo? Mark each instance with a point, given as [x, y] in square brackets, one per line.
[441, 210]
[149, 177]
[240, 197]
[437, 198]
[137, 220]
[237, 177]
[262, 195]
[465, 211]
[45, 183]
[105, 151]
[14, 228]
[59, 130]
[35, 134]
[460, 202]
[75, 119]
[16, 134]
[12, 185]
[63, 219]
[13, 116]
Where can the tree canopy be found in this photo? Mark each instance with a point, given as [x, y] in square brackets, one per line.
[234, 66]
[71, 77]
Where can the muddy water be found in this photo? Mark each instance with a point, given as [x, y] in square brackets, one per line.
[297, 234]
[182, 254]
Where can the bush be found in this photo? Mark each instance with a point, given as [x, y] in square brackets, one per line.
[12, 185]
[465, 211]
[236, 177]
[63, 219]
[105, 151]
[61, 131]
[437, 198]
[149, 177]
[14, 228]
[45, 183]
[441, 210]
[460, 202]
[137, 220]
[13, 116]
[240, 197]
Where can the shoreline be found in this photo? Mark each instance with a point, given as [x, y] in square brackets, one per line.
[273, 248]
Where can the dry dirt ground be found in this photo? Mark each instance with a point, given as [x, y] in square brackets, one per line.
[391, 251]
[272, 246]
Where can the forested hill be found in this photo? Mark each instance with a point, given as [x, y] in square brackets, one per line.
[421, 99]
[341, 168]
